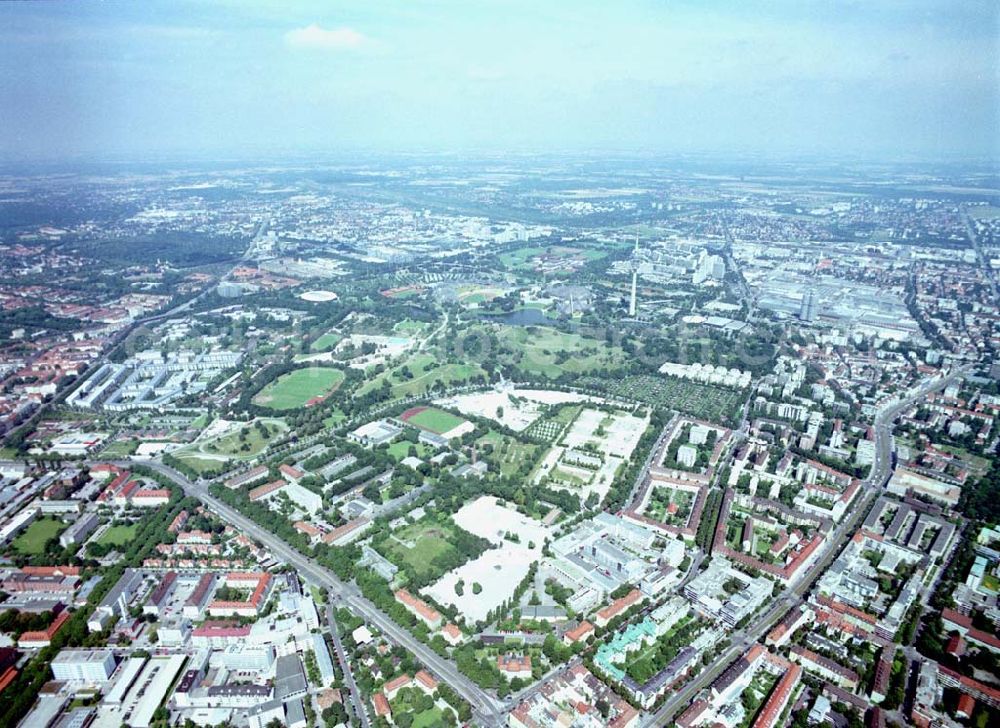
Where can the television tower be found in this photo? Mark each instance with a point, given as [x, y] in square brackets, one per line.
[635, 276]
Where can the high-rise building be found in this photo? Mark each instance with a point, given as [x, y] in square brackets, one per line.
[708, 267]
[807, 311]
[92, 666]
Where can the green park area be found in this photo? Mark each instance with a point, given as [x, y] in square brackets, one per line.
[299, 388]
[33, 539]
[419, 374]
[201, 465]
[246, 441]
[325, 342]
[554, 258]
[118, 535]
[416, 547]
[401, 450]
[669, 505]
[550, 352]
[429, 548]
[120, 449]
[212, 456]
[508, 454]
[419, 708]
[409, 327]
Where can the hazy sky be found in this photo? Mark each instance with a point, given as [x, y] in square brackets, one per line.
[880, 78]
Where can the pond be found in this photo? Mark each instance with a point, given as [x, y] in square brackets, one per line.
[524, 317]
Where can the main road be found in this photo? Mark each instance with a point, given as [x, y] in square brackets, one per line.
[984, 263]
[487, 709]
[877, 478]
[358, 702]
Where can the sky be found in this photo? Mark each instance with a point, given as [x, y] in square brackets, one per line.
[885, 80]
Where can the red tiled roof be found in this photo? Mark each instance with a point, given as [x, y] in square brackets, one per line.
[381, 704]
[221, 629]
[513, 663]
[7, 678]
[262, 490]
[778, 698]
[579, 632]
[341, 531]
[152, 493]
[620, 605]
[45, 635]
[418, 605]
[51, 570]
[397, 683]
[426, 679]
[307, 528]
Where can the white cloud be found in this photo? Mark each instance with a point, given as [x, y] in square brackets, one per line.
[480, 73]
[314, 36]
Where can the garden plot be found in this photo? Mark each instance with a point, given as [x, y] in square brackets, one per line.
[593, 435]
[615, 435]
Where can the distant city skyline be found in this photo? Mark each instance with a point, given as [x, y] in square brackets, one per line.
[885, 80]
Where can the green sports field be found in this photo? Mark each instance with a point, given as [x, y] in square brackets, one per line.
[298, 388]
[431, 419]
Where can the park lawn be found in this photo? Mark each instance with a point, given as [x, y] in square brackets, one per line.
[429, 718]
[410, 326]
[763, 540]
[509, 454]
[299, 387]
[525, 258]
[519, 258]
[564, 476]
[478, 294]
[426, 374]
[991, 582]
[659, 501]
[118, 535]
[433, 420]
[201, 465]
[325, 342]
[120, 449]
[567, 413]
[200, 422]
[429, 540]
[335, 418]
[400, 450]
[255, 442]
[536, 350]
[32, 540]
